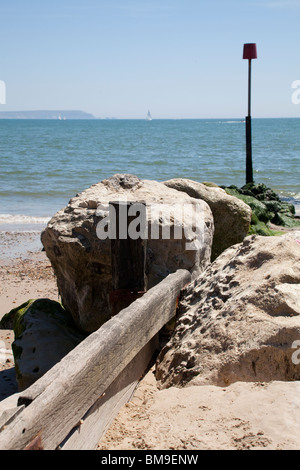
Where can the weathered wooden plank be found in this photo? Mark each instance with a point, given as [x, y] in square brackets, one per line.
[128, 250]
[66, 392]
[9, 409]
[128, 253]
[8, 416]
[97, 420]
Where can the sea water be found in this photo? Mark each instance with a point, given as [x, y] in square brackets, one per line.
[43, 163]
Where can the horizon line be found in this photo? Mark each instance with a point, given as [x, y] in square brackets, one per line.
[113, 118]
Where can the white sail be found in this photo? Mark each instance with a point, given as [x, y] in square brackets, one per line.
[149, 117]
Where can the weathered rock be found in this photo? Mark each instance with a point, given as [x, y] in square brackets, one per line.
[266, 207]
[231, 216]
[7, 321]
[82, 261]
[240, 319]
[44, 334]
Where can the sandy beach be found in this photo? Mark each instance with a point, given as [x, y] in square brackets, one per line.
[243, 416]
[25, 273]
[240, 416]
[153, 182]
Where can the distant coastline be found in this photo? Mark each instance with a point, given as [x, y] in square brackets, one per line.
[78, 114]
[46, 114]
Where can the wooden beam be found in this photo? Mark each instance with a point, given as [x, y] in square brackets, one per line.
[65, 393]
[128, 253]
[87, 434]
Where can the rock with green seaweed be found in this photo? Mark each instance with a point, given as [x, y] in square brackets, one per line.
[267, 207]
[44, 334]
[7, 321]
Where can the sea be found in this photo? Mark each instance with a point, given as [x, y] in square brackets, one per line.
[44, 163]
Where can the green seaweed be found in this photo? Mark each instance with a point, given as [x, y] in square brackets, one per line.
[41, 314]
[266, 207]
[8, 320]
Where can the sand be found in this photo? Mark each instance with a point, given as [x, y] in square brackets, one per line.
[242, 416]
[25, 273]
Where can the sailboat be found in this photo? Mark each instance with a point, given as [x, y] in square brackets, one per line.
[149, 117]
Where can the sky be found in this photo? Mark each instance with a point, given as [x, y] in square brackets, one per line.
[177, 58]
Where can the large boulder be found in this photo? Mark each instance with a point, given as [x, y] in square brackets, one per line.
[240, 320]
[232, 216]
[267, 207]
[81, 255]
[44, 334]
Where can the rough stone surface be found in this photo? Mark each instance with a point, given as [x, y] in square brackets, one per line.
[266, 207]
[82, 261]
[232, 216]
[240, 319]
[44, 334]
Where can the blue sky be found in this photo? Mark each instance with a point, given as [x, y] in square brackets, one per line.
[178, 58]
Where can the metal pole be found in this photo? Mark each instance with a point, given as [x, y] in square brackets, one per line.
[249, 87]
[249, 170]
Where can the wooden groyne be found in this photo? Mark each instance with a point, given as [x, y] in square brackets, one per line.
[73, 404]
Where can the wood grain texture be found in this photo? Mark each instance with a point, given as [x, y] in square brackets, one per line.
[87, 434]
[59, 400]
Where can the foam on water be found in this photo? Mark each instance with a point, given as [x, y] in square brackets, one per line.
[19, 219]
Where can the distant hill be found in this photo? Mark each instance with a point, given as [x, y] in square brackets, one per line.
[44, 114]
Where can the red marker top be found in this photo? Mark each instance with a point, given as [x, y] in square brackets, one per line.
[250, 51]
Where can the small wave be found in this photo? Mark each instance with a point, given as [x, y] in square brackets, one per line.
[22, 219]
[290, 195]
[7, 231]
[234, 122]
